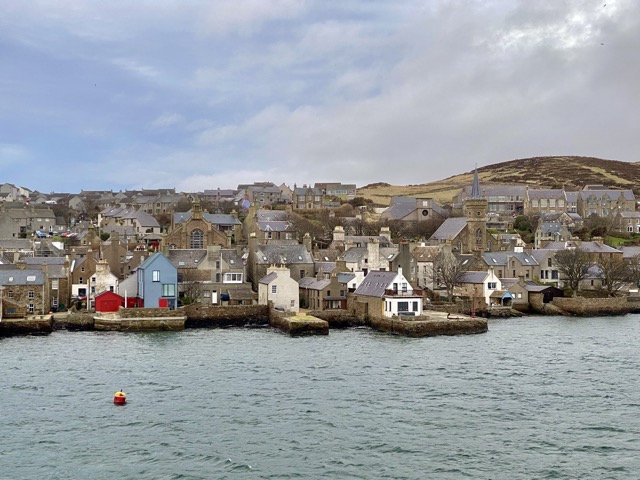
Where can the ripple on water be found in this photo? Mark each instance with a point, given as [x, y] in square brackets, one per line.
[533, 398]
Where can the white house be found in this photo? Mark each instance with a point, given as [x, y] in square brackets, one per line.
[395, 292]
[279, 288]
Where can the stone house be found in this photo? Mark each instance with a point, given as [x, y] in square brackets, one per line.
[279, 289]
[24, 292]
[550, 231]
[538, 201]
[628, 221]
[425, 257]
[549, 272]
[269, 226]
[82, 269]
[512, 264]
[602, 202]
[58, 277]
[297, 258]
[324, 292]
[478, 285]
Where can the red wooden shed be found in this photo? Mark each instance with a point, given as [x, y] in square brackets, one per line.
[108, 302]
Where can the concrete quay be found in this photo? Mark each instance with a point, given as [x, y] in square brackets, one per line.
[299, 325]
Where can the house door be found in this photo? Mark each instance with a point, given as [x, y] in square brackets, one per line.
[214, 297]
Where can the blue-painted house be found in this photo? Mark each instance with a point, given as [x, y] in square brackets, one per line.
[157, 283]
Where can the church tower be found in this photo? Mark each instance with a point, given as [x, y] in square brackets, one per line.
[475, 209]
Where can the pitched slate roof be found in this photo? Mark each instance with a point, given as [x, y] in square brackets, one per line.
[357, 254]
[279, 254]
[629, 251]
[473, 277]
[346, 277]
[425, 254]
[375, 283]
[449, 229]
[213, 218]
[263, 215]
[548, 228]
[267, 279]
[612, 194]
[326, 267]
[274, 226]
[592, 247]
[21, 277]
[186, 258]
[317, 284]
[502, 258]
[545, 193]
[232, 258]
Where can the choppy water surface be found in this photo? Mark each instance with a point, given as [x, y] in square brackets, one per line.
[534, 398]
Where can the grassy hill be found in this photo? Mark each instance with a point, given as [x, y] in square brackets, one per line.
[572, 173]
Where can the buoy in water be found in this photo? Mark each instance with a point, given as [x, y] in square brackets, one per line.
[120, 398]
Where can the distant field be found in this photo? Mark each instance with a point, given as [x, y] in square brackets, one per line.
[571, 173]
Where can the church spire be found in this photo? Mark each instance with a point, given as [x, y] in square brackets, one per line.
[475, 188]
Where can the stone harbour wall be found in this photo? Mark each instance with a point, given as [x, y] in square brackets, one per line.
[424, 327]
[586, 307]
[213, 316]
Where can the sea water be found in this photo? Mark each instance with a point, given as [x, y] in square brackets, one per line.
[534, 398]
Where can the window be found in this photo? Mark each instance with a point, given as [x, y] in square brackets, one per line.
[403, 306]
[274, 288]
[492, 285]
[168, 290]
[217, 264]
[156, 275]
[10, 294]
[55, 284]
[293, 303]
[196, 239]
[415, 306]
[328, 293]
[30, 308]
[31, 294]
[548, 262]
[54, 301]
[233, 277]
[302, 273]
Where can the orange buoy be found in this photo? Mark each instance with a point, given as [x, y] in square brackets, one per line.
[120, 398]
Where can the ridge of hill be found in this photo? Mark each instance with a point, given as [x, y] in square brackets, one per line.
[569, 172]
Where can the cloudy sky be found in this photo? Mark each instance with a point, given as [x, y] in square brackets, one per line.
[205, 94]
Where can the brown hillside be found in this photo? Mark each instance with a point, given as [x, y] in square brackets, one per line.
[572, 173]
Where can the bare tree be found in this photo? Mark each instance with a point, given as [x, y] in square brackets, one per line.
[191, 285]
[614, 274]
[573, 265]
[449, 271]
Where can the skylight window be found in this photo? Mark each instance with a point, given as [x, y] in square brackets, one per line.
[31, 278]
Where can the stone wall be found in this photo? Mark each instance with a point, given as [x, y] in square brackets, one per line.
[36, 325]
[148, 313]
[212, 316]
[597, 306]
[76, 321]
[422, 327]
[338, 318]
